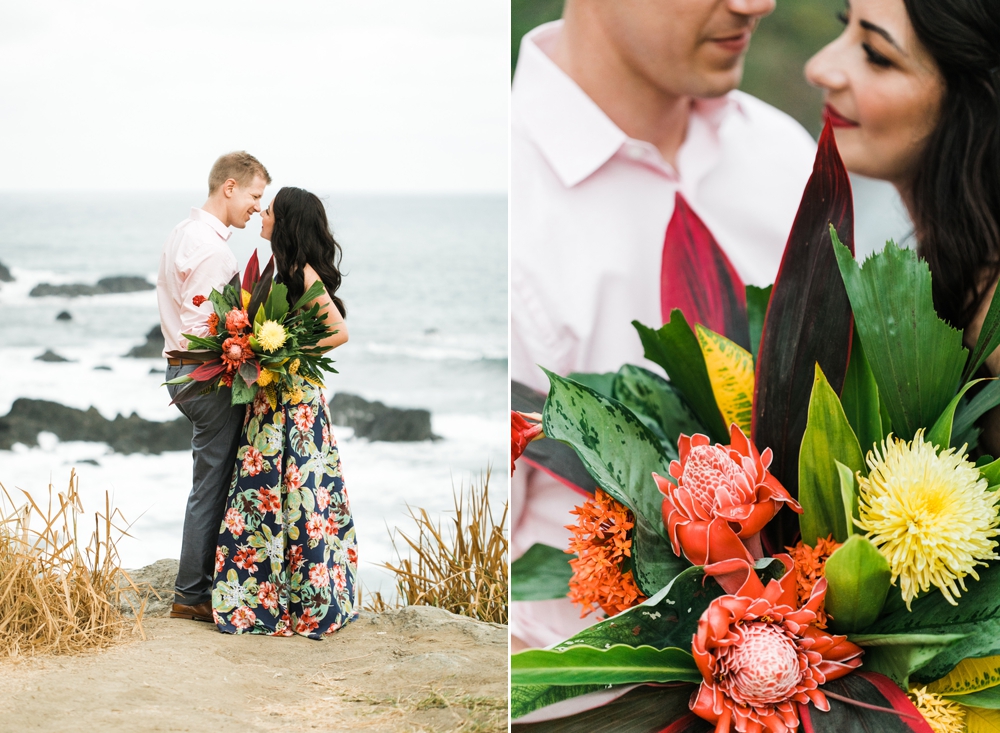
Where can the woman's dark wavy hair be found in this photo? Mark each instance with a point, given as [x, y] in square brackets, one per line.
[956, 192]
[300, 236]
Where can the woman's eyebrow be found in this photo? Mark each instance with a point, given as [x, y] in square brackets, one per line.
[869, 26]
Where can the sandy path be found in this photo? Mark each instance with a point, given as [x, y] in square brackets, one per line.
[416, 669]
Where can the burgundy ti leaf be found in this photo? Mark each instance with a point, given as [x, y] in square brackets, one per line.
[808, 319]
[252, 274]
[698, 278]
[207, 371]
[262, 289]
[201, 356]
[863, 702]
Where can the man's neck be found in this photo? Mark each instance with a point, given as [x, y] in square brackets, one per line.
[641, 110]
[217, 209]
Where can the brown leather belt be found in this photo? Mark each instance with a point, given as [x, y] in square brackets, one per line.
[180, 362]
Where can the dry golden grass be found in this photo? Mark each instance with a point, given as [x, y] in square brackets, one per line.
[463, 568]
[57, 597]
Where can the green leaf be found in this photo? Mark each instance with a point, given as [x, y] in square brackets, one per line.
[276, 305]
[860, 399]
[643, 710]
[616, 665]
[314, 291]
[540, 574]
[940, 434]
[883, 412]
[219, 303]
[675, 348]
[991, 472]
[966, 415]
[858, 578]
[989, 338]
[988, 698]
[828, 439]
[179, 380]
[977, 616]
[915, 357]
[670, 617]
[203, 343]
[757, 300]
[600, 383]
[528, 698]
[898, 656]
[655, 401]
[242, 392]
[621, 454]
[849, 496]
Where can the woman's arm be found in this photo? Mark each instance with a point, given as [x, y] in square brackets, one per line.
[334, 318]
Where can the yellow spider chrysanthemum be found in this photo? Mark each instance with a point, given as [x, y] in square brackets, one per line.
[943, 716]
[929, 514]
[271, 336]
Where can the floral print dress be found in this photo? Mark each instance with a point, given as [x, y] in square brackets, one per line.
[287, 556]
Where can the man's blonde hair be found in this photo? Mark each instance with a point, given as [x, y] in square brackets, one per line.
[240, 166]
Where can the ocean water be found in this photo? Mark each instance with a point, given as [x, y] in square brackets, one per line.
[425, 284]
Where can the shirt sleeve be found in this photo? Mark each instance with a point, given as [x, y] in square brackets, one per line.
[206, 269]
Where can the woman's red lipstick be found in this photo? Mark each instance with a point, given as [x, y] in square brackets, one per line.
[836, 119]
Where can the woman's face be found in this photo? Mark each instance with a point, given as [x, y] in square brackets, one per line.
[883, 91]
[267, 221]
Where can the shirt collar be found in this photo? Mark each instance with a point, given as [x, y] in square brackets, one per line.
[574, 135]
[221, 229]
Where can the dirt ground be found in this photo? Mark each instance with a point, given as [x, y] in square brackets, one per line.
[414, 669]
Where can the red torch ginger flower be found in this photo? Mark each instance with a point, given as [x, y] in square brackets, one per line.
[236, 321]
[760, 654]
[524, 428]
[235, 351]
[723, 498]
[602, 543]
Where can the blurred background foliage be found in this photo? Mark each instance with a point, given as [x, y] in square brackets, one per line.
[780, 48]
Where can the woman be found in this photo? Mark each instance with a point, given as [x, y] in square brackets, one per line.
[287, 555]
[913, 91]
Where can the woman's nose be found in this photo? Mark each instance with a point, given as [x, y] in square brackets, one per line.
[824, 70]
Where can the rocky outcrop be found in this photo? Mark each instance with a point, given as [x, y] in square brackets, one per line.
[153, 348]
[104, 286]
[375, 421]
[52, 356]
[5, 276]
[28, 417]
[155, 585]
[64, 316]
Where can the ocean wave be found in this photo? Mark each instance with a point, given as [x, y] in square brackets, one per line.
[436, 353]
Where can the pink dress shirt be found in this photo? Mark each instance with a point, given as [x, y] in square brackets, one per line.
[589, 211]
[195, 259]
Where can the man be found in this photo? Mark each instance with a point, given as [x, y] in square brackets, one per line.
[614, 110]
[195, 260]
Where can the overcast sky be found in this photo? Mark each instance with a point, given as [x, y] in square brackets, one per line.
[334, 95]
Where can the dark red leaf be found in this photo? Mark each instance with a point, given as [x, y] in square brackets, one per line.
[690, 723]
[698, 278]
[646, 709]
[252, 274]
[208, 370]
[808, 319]
[250, 371]
[261, 290]
[193, 355]
[896, 714]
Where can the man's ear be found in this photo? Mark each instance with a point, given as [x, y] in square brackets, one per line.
[228, 187]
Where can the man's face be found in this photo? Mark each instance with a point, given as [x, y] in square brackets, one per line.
[244, 201]
[683, 47]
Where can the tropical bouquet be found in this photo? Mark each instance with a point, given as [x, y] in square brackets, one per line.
[792, 532]
[256, 342]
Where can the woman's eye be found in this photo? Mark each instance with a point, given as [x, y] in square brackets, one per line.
[842, 17]
[874, 57]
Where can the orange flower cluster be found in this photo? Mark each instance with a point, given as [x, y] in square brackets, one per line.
[810, 563]
[213, 324]
[601, 542]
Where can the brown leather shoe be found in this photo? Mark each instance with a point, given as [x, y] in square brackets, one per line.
[201, 612]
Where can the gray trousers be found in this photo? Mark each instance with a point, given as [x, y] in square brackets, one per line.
[217, 427]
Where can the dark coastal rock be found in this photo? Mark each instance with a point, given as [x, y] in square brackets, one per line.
[64, 316]
[102, 368]
[375, 421]
[50, 355]
[5, 276]
[116, 284]
[28, 417]
[152, 349]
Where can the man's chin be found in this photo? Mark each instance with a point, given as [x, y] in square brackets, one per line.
[240, 225]
[719, 82]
